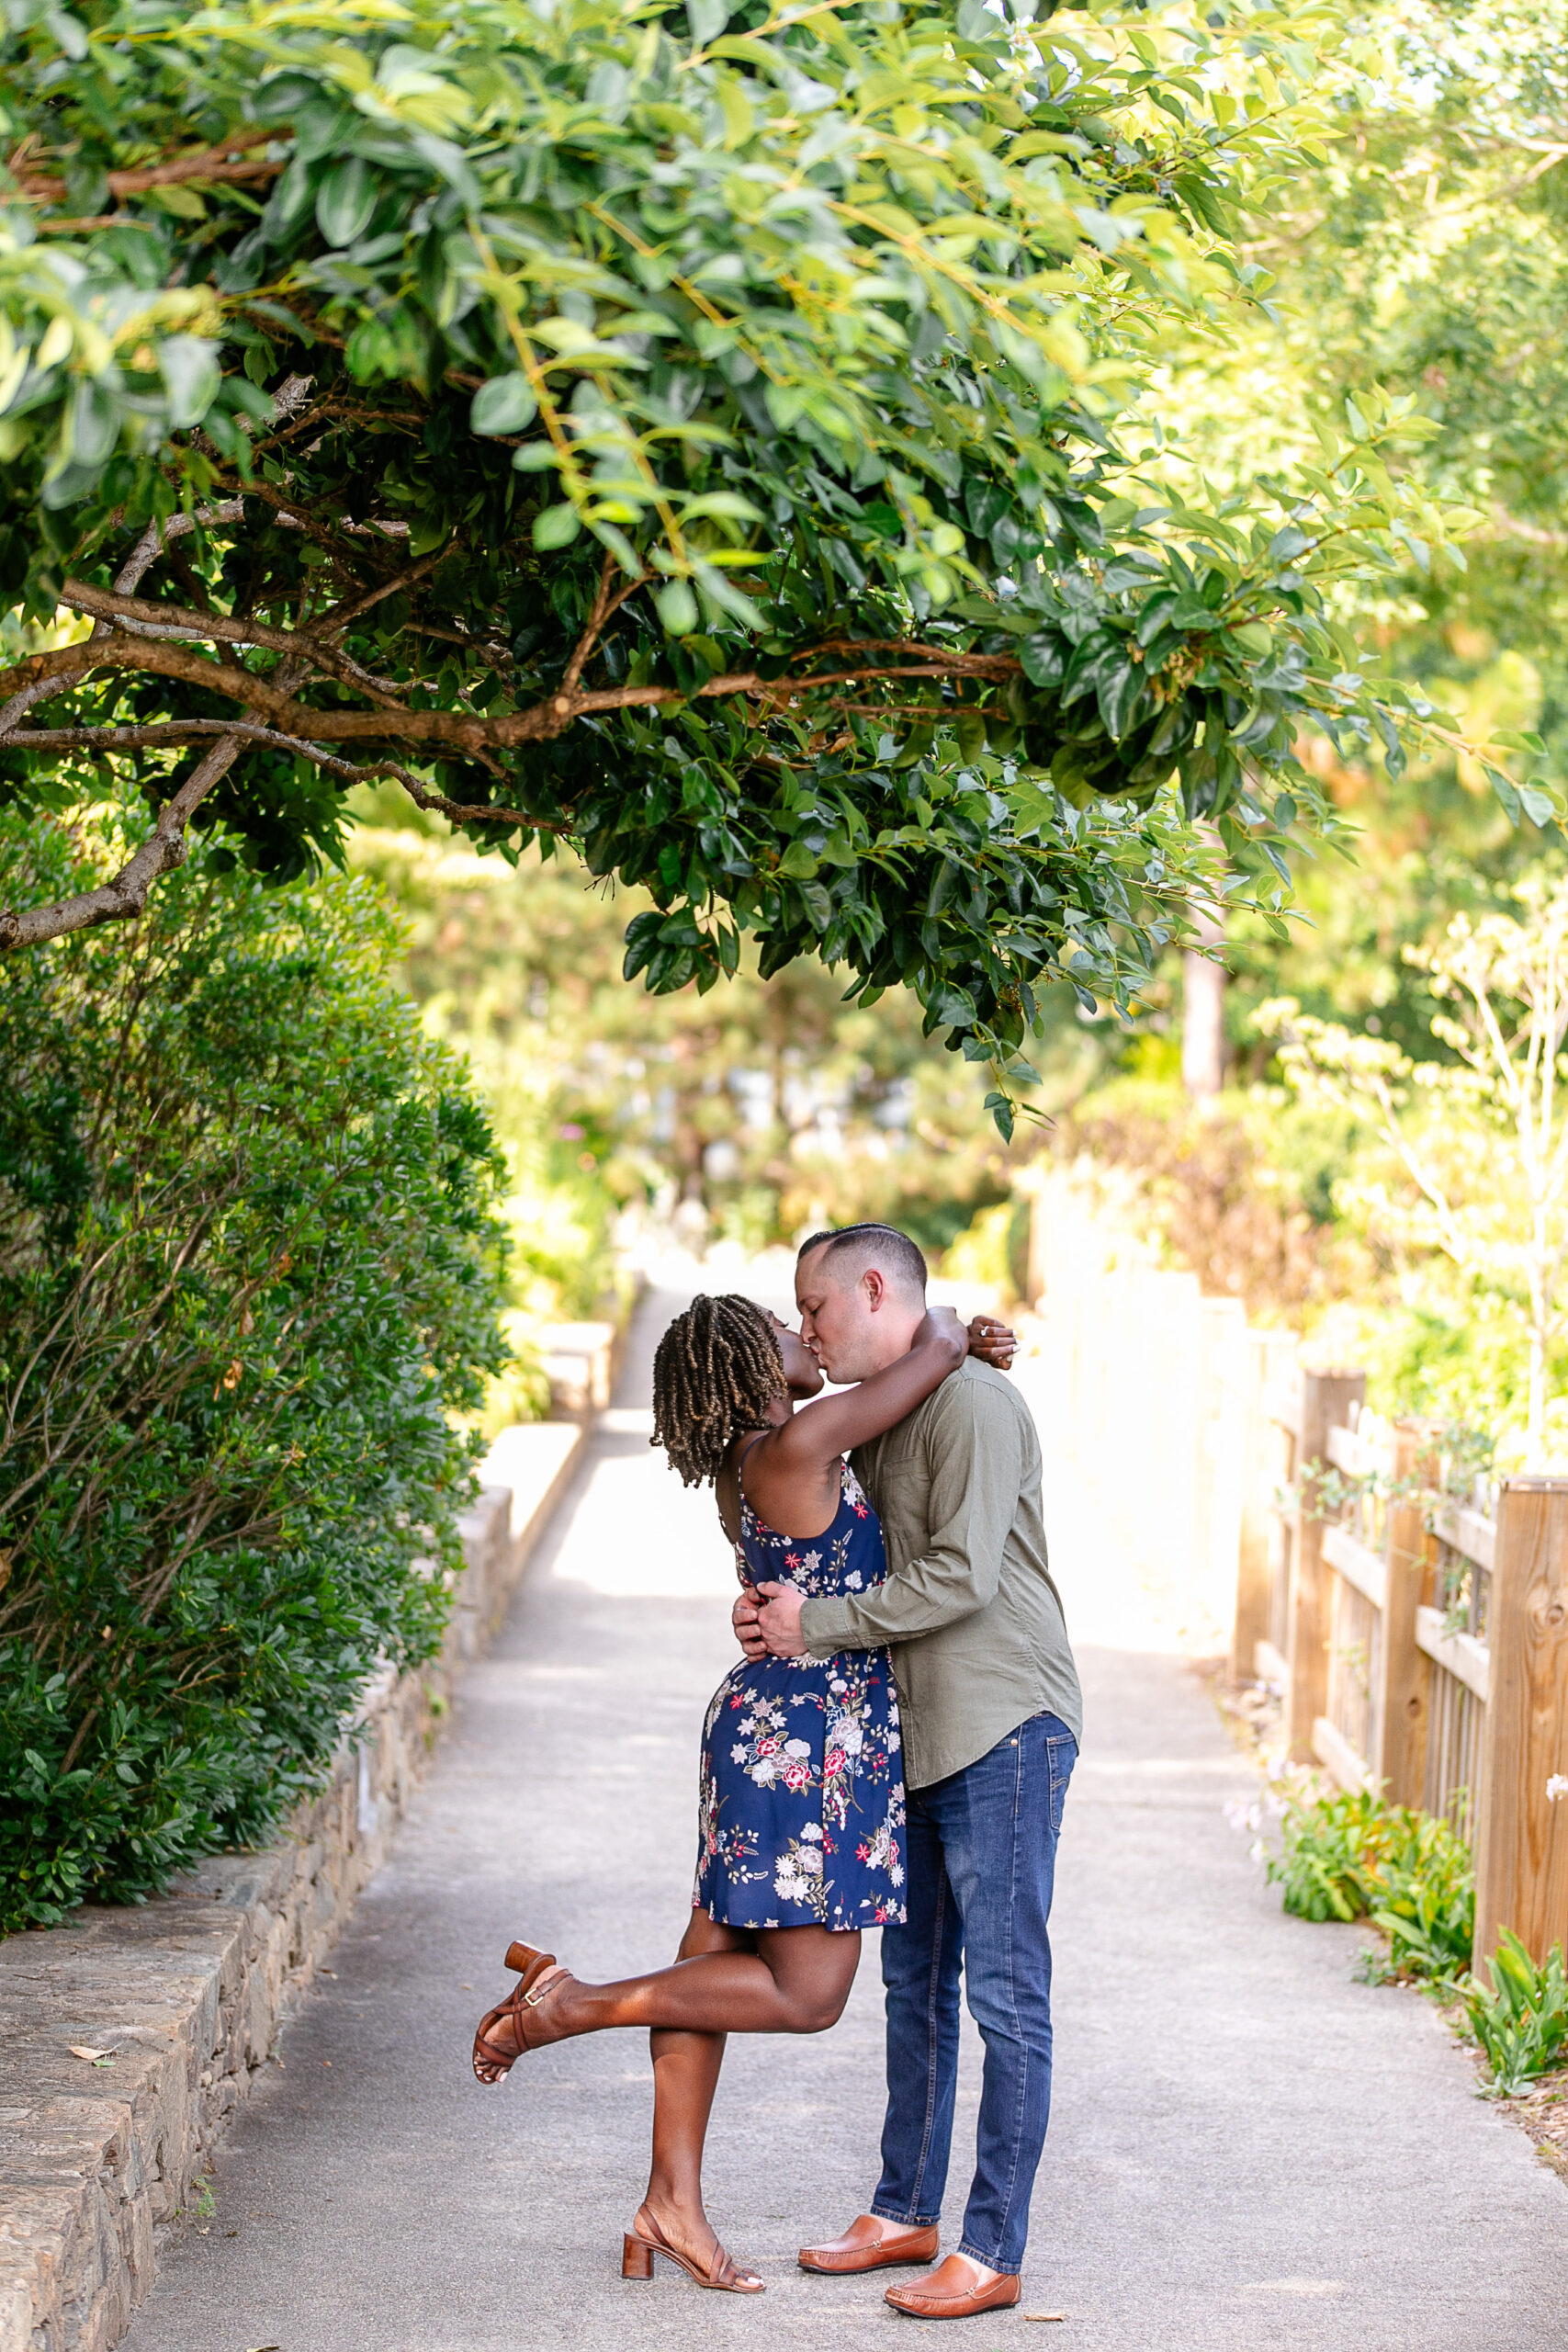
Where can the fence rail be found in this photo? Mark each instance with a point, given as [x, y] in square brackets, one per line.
[1419, 1648]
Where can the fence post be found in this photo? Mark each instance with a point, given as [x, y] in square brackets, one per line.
[1327, 1399]
[1521, 1842]
[1268, 1357]
[1401, 1704]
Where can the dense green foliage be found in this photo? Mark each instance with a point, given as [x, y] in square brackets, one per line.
[1424, 257]
[248, 1266]
[709, 438]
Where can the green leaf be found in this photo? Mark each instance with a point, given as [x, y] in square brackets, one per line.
[190, 368]
[556, 527]
[677, 608]
[345, 200]
[504, 404]
[1119, 689]
[1044, 659]
[969, 732]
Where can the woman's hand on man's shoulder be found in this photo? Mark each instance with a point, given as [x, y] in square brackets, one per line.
[994, 1342]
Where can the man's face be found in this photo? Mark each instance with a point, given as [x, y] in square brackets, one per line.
[849, 1324]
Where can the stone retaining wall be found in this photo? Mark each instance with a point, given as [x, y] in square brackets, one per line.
[183, 1996]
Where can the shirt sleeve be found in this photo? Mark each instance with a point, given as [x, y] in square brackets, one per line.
[976, 1454]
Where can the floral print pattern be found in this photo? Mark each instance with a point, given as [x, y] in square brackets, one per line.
[801, 1814]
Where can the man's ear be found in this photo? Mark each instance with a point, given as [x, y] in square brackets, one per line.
[875, 1287]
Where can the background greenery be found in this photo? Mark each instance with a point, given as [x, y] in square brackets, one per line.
[1427, 256]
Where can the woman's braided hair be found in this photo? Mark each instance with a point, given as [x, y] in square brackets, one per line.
[715, 1372]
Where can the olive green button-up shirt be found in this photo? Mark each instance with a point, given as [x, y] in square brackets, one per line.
[973, 1621]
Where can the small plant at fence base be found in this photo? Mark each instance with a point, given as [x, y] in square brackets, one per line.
[1522, 2024]
[1346, 1856]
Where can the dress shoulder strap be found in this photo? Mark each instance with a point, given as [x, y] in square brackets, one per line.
[741, 1462]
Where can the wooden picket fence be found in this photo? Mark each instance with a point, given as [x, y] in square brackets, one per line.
[1419, 1642]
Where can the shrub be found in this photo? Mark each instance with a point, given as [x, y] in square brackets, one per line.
[248, 1267]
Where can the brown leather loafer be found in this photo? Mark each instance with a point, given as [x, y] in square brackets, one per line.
[871, 2244]
[950, 2293]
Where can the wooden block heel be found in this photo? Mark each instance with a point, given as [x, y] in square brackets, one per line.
[538, 1975]
[639, 2245]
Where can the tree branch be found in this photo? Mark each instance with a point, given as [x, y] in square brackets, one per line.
[43, 674]
[201, 164]
[125, 894]
[283, 723]
[165, 734]
[408, 579]
[180, 621]
[150, 545]
[604, 604]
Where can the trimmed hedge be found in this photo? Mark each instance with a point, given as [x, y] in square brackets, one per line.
[248, 1271]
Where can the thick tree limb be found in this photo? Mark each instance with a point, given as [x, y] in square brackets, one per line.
[64, 665]
[125, 894]
[67, 665]
[176, 622]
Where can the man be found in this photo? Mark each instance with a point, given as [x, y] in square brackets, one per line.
[991, 1716]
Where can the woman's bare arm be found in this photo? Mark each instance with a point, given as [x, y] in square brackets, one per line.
[817, 1435]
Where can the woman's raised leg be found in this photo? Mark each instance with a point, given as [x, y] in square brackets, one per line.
[796, 1980]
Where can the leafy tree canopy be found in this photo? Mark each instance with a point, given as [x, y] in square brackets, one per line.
[708, 439]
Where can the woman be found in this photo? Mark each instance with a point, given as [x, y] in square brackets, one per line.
[802, 1796]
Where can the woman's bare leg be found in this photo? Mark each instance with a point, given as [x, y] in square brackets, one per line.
[796, 1980]
[685, 2077]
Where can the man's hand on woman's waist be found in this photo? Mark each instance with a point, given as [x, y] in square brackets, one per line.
[778, 1619]
[744, 1617]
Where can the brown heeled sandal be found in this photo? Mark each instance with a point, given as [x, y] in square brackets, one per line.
[640, 2245]
[540, 1975]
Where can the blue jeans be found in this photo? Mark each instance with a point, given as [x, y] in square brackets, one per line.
[982, 1857]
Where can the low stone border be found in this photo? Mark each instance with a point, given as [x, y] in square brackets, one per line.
[183, 1996]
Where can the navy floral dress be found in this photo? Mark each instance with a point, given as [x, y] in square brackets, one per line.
[802, 1808]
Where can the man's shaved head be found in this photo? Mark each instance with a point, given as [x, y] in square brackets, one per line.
[849, 1250]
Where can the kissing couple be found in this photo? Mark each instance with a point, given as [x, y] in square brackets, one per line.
[893, 1750]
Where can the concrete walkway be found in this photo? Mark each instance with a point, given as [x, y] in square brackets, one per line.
[1249, 2149]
